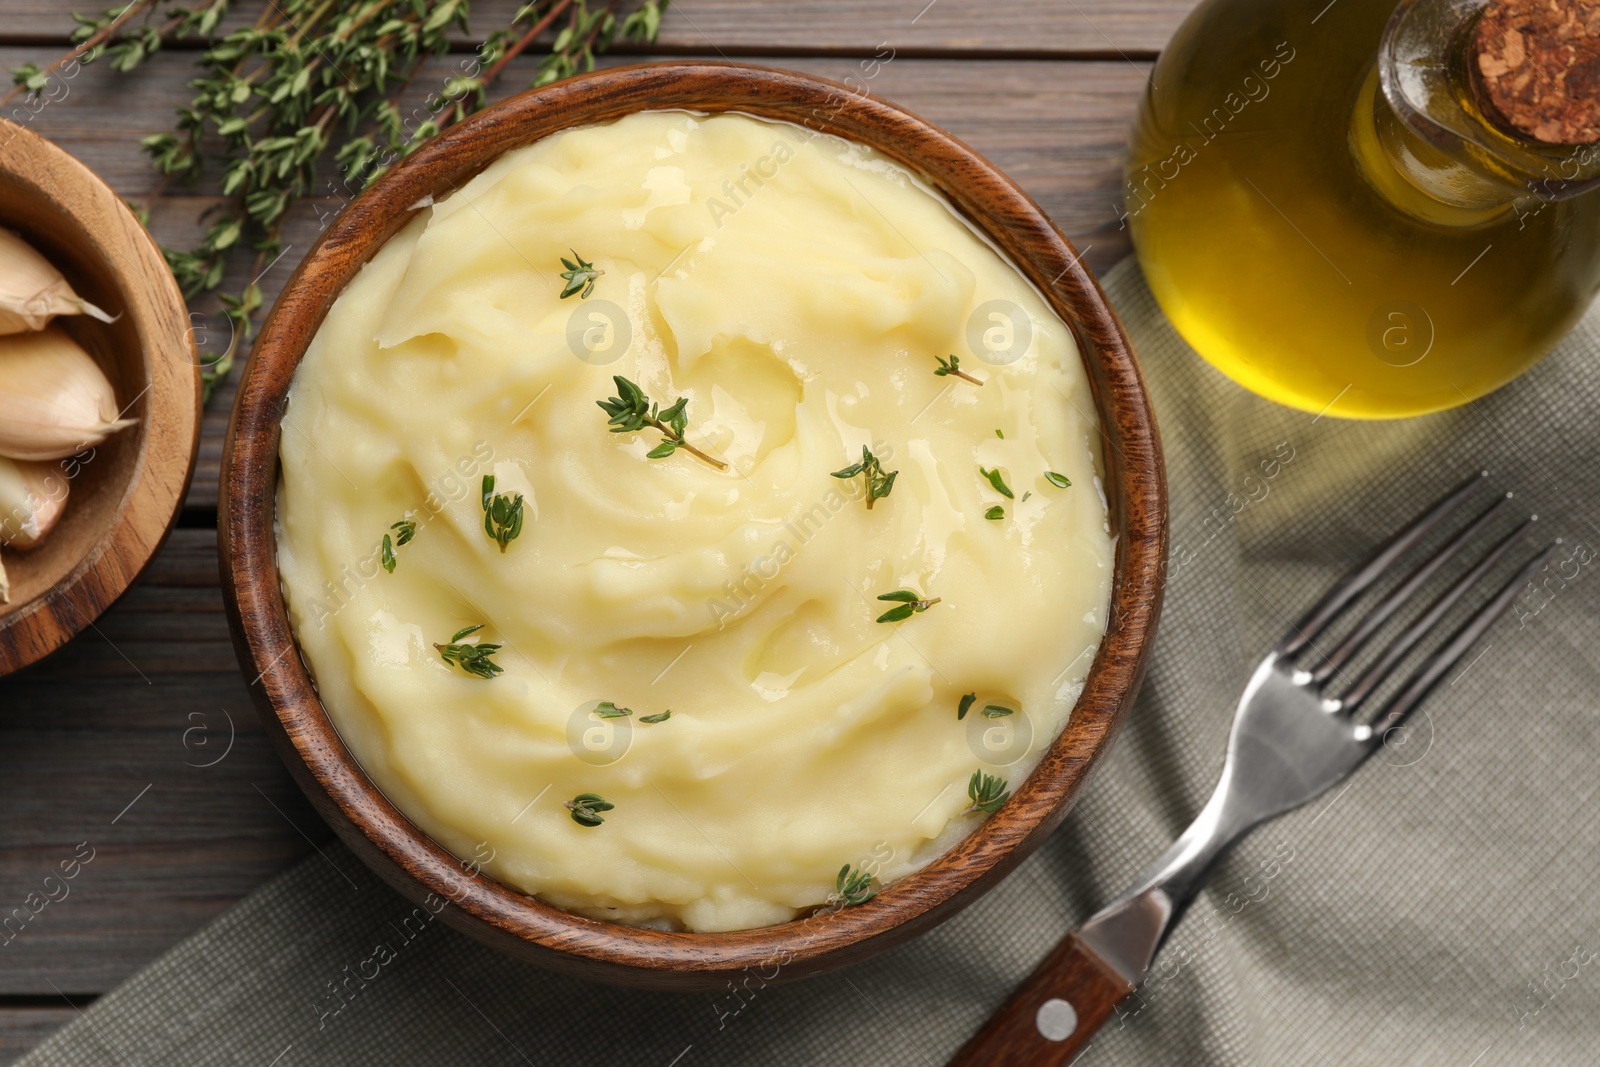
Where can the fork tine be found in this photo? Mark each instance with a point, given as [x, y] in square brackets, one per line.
[1361, 579]
[1381, 613]
[1429, 674]
[1407, 640]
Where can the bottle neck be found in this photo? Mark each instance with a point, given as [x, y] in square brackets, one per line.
[1417, 176]
[1421, 136]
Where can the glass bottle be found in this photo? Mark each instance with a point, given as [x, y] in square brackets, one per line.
[1327, 214]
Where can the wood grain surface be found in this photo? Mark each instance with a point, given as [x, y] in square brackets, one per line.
[106, 743]
[82, 733]
[1051, 1019]
[745, 28]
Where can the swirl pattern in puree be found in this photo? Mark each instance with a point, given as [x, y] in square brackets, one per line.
[796, 289]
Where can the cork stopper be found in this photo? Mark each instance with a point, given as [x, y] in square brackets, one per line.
[1537, 68]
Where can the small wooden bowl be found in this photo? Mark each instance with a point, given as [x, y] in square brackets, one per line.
[519, 924]
[124, 493]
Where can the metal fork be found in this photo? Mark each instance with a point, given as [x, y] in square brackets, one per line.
[1291, 742]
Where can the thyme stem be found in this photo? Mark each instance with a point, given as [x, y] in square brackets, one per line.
[685, 445]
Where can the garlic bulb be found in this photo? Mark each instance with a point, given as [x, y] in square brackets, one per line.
[32, 497]
[54, 400]
[32, 292]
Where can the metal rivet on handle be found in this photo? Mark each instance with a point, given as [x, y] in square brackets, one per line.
[1056, 1019]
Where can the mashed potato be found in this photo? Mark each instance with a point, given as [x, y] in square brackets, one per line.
[798, 291]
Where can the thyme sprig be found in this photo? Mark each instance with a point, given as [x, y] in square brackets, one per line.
[879, 483]
[404, 530]
[471, 656]
[310, 82]
[502, 514]
[580, 276]
[987, 792]
[952, 366]
[852, 887]
[909, 603]
[586, 808]
[631, 410]
[998, 480]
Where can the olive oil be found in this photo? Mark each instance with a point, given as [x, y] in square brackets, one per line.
[1273, 200]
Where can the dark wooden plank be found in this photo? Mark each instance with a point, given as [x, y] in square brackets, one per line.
[105, 743]
[763, 27]
[22, 1027]
[1057, 127]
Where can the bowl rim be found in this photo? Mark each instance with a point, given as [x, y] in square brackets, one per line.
[169, 439]
[522, 925]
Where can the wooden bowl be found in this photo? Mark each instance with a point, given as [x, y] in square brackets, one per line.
[519, 924]
[124, 493]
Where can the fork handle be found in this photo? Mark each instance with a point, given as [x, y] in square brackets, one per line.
[1052, 1017]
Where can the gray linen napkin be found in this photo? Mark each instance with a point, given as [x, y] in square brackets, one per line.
[1438, 909]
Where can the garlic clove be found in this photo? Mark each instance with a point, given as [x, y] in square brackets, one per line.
[32, 498]
[55, 401]
[32, 291]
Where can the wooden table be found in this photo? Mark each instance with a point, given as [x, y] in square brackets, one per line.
[108, 741]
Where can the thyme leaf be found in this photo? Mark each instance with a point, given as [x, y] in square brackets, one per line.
[987, 792]
[607, 710]
[586, 808]
[910, 603]
[953, 366]
[997, 711]
[502, 514]
[405, 530]
[878, 483]
[580, 276]
[472, 657]
[1060, 481]
[997, 480]
[965, 706]
[631, 410]
[658, 717]
[996, 512]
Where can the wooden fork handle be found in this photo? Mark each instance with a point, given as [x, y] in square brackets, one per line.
[1052, 1016]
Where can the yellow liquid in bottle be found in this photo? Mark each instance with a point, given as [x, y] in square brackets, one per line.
[1279, 260]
